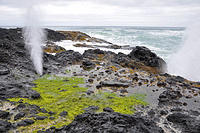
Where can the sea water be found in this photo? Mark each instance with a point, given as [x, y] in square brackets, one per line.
[164, 41]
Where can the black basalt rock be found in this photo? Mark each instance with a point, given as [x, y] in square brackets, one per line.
[121, 59]
[4, 114]
[16, 34]
[169, 96]
[4, 57]
[147, 57]
[87, 64]
[19, 115]
[41, 117]
[68, 57]
[186, 123]
[108, 110]
[5, 126]
[11, 34]
[25, 122]
[64, 113]
[91, 109]
[17, 90]
[112, 84]
[54, 36]
[92, 53]
[110, 122]
[35, 95]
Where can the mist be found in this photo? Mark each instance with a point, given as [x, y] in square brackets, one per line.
[186, 61]
[34, 36]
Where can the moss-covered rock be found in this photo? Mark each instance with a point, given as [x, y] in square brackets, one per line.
[60, 94]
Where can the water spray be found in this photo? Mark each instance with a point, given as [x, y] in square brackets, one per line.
[186, 62]
[34, 37]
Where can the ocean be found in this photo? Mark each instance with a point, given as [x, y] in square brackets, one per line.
[164, 41]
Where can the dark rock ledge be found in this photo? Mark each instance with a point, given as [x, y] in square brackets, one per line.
[109, 122]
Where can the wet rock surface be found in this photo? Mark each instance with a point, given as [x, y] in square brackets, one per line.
[173, 101]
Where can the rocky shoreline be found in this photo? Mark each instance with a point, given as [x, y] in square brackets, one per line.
[164, 103]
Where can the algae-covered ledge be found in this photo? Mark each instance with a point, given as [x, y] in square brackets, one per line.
[62, 95]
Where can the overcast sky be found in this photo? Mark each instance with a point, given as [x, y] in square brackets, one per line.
[104, 12]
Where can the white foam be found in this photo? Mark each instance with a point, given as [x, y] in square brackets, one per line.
[68, 45]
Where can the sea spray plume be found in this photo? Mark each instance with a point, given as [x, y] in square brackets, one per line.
[34, 37]
[186, 62]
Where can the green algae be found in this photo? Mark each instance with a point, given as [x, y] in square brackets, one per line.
[60, 94]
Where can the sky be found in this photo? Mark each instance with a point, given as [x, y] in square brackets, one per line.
[176, 13]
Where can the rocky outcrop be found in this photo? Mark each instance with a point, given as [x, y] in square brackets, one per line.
[169, 97]
[80, 36]
[75, 35]
[16, 35]
[68, 57]
[4, 114]
[112, 84]
[87, 65]
[52, 48]
[94, 54]
[25, 122]
[111, 122]
[4, 70]
[121, 59]
[14, 89]
[83, 45]
[110, 46]
[11, 34]
[54, 36]
[147, 57]
[5, 126]
[185, 122]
